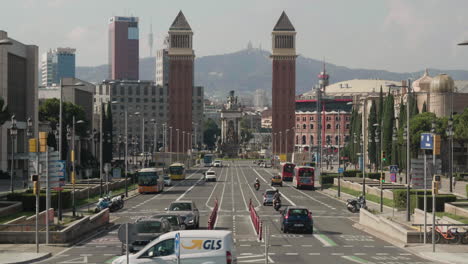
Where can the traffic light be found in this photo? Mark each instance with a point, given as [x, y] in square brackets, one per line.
[32, 145]
[35, 180]
[384, 156]
[42, 141]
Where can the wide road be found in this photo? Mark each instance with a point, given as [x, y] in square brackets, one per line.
[335, 240]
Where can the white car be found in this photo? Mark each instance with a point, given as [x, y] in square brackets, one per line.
[217, 163]
[167, 180]
[204, 246]
[210, 176]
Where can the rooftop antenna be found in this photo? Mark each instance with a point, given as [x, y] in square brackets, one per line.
[150, 40]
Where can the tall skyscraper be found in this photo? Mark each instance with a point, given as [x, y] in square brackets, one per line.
[57, 64]
[123, 48]
[162, 64]
[18, 88]
[284, 85]
[180, 84]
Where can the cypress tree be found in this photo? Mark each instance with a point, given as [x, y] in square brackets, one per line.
[424, 108]
[402, 143]
[380, 108]
[387, 123]
[372, 147]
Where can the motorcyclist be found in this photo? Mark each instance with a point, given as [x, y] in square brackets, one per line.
[276, 197]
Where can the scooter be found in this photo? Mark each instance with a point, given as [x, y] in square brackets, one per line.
[354, 205]
[257, 186]
[102, 204]
[277, 204]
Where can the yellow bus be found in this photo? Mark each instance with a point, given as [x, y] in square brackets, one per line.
[177, 171]
[150, 180]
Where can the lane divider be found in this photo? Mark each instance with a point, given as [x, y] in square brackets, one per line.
[213, 216]
[257, 223]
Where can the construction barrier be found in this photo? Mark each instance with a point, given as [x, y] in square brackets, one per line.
[213, 216]
[257, 223]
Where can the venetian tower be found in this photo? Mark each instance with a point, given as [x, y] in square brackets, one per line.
[180, 84]
[283, 85]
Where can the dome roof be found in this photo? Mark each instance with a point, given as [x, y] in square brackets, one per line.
[442, 83]
[422, 84]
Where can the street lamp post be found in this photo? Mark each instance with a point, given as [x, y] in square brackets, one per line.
[13, 134]
[73, 178]
[177, 144]
[450, 136]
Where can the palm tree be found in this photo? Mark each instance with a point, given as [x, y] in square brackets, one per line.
[4, 114]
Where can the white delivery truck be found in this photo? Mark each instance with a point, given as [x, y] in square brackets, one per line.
[195, 247]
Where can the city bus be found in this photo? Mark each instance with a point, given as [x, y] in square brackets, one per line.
[287, 171]
[208, 160]
[303, 177]
[177, 171]
[150, 180]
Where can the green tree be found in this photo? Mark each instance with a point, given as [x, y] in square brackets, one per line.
[372, 147]
[211, 132]
[4, 113]
[387, 124]
[460, 129]
[401, 142]
[380, 108]
[421, 123]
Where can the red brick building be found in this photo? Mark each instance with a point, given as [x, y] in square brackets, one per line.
[180, 85]
[336, 119]
[283, 85]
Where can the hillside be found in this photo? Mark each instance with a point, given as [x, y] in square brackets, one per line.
[250, 69]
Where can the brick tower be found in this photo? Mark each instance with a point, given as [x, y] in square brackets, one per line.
[180, 84]
[284, 85]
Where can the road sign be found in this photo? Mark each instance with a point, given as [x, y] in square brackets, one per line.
[340, 170]
[417, 173]
[427, 141]
[177, 245]
[394, 168]
[393, 177]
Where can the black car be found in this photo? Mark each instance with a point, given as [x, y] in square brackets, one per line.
[295, 218]
[147, 229]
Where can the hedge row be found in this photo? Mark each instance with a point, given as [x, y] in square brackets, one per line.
[370, 175]
[441, 199]
[399, 197]
[29, 199]
[351, 173]
[327, 178]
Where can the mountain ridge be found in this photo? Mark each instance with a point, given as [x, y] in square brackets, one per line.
[249, 69]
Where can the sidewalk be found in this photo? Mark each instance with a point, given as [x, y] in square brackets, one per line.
[26, 253]
[454, 254]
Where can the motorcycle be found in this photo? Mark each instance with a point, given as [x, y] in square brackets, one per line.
[102, 204]
[277, 204]
[257, 186]
[354, 205]
[116, 203]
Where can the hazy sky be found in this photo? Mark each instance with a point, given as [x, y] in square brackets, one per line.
[395, 35]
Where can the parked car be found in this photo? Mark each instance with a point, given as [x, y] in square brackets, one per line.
[188, 212]
[210, 176]
[276, 180]
[218, 163]
[297, 219]
[167, 180]
[174, 219]
[216, 246]
[268, 196]
[148, 229]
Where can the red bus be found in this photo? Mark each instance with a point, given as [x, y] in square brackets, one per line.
[287, 171]
[303, 177]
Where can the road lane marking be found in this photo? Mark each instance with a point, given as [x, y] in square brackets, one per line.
[360, 254]
[282, 195]
[326, 241]
[314, 254]
[337, 254]
[242, 192]
[214, 188]
[312, 198]
[253, 192]
[292, 254]
[189, 189]
[357, 259]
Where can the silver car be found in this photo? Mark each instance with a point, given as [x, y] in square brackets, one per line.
[268, 196]
[174, 219]
[188, 212]
[167, 180]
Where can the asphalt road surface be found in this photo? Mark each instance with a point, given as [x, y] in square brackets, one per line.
[334, 239]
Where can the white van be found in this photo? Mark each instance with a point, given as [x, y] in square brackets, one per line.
[196, 247]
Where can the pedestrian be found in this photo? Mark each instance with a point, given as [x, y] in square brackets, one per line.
[454, 181]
